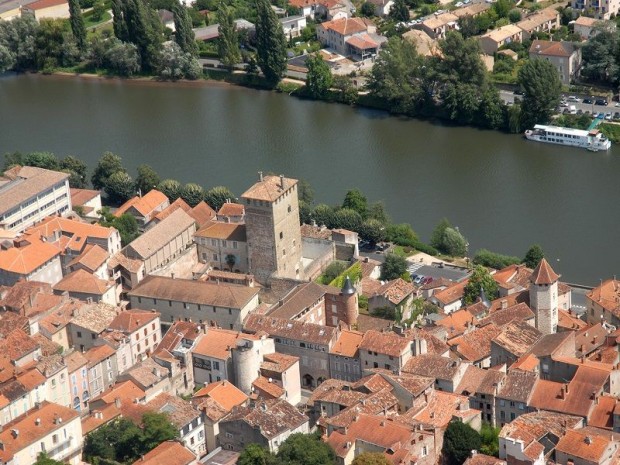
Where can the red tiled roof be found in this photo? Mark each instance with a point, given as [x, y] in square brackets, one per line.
[169, 453]
[544, 274]
[41, 4]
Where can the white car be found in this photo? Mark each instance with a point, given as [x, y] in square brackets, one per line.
[459, 4]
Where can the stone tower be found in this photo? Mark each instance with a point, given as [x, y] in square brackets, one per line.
[544, 297]
[349, 295]
[272, 228]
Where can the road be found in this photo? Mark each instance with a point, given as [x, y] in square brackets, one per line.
[508, 97]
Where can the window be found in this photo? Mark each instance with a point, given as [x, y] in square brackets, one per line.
[79, 334]
[229, 436]
[55, 439]
[216, 366]
[502, 403]
[154, 338]
[281, 235]
[137, 336]
[145, 332]
[387, 366]
[376, 365]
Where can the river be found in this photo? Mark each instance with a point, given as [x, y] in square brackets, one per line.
[504, 193]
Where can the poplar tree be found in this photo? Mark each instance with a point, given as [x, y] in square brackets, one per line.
[119, 23]
[184, 35]
[270, 43]
[228, 42]
[77, 24]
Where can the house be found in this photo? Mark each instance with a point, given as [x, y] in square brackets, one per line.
[202, 213]
[603, 303]
[348, 36]
[216, 400]
[29, 259]
[157, 247]
[79, 385]
[596, 9]
[396, 295]
[588, 27]
[438, 25]
[475, 346]
[89, 322]
[587, 446]
[30, 194]
[52, 9]
[531, 438]
[231, 212]
[293, 25]
[87, 202]
[514, 341]
[514, 395]
[344, 357]
[565, 56]
[310, 342]
[425, 45]
[305, 7]
[450, 298]
[82, 285]
[544, 20]
[384, 350]
[382, 7]
[150, 377]
[376, 433]
[267, 423]
[141, 328]
[169, 452]
[102, 369]
[471, 10]
[49, 428]
[223, 245]
[228, 305]
[332, 9]
[493, 40]
[477, 458]
[144, 208]
[282, 372]
[446, 372]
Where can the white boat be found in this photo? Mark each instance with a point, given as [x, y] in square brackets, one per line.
[592, 140]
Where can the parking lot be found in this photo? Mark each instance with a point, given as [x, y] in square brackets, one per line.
[435, 272]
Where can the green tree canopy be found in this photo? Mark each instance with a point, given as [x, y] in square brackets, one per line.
[401, 234]
[489, 437]
[319, 77]
[533, 256]
[454, 243]
[171, 188]
[255, 454]
[107, 165]
[323, 214]
[217, 196]
[184, 34]
[228, 40]
[490, 259]
[600, 56]
[356, 200]
[542, 88]
[119, 187]
[147, 179]
[372, 230]
[458, 442]
[44, 459]
[305, 193]
[77, 170]
[371, 458]
[77, 24]
[192, 194]
[306, 449]
[346, 218]
[46, 160]
[399, 11]
[480, 279]
[156, 429]
[393, 267]
[270, 43]
[17, 42]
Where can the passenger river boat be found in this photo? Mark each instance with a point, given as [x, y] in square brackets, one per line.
[592, 140]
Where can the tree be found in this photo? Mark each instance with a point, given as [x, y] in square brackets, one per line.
[270, 43]
[371, 458]
[368, 9]
[399, 11]
[333, 270]
[98, 10]
[438, 233]
[44, 459]
[255, 454]
[147, 179]
[346, 218]
[480, 279]
[356, 200]
[122, 58]
[454, 243]
[542, 88]
[489, 436]
[348, 92]
[12, 159]
[230, 261]
[77, 170]
[7, 59]
[77, 24]
[217, 196]
[600, 56]
[305, 193]
[306, 449]
[119, 440]
[107, 165]
[192, 194]
[401, 234]
[458, 442]
[533, 256]
[157, 429]
[494, 260]
[228, 40]
[323, 214]
[393, 267]
[319, 77]
[17, 38]
[171, 188]
[54, 45]
[119, 21]
[502, 7]
[175, 64]
[372, 230]
[183, 34]
[377, 211]
[45, 160]
[119, 187]
[137, 23]
[514, 15]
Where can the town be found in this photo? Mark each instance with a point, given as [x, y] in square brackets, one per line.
[497, 64]
[236, 332]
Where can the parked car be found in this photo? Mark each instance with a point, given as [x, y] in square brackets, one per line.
[427, 280]
[419, 279]
[601, 101]
[574, 99]
[414, 277]
[518, 92]
[580, 112]
[563, 104]
[459, 4]
[594, 114]
[608, 116]
[617, 115]
[588, 101]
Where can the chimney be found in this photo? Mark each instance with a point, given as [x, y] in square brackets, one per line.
[562, 393]
[15, 433]
[588, 440]
[504, 303]
[566, 385]
[282, 181]
[260, 176]
[37, 421]
[117, 402]
[172, 274]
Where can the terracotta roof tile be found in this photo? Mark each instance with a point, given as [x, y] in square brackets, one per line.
[345, 26]
[267, 389]
[475, 345]
[280, 327]
[224, 393]
[217, 343]
[269, 417]
[27, 258]
[154, 239]
[225, 231]
[145, 205]
[517, 338]
[385, 343]
[129, 321]
[81, 196]
[83, 282]
[92, 258]
[396, 290]
[170, 453]
[269, 188]
[544, 274]
[347, 344]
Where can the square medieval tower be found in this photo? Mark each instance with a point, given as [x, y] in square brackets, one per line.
[272, 228]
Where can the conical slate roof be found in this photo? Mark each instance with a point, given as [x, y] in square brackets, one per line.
[544, 274]
[348, 288]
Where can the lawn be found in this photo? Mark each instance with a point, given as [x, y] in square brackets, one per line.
[90, 22]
